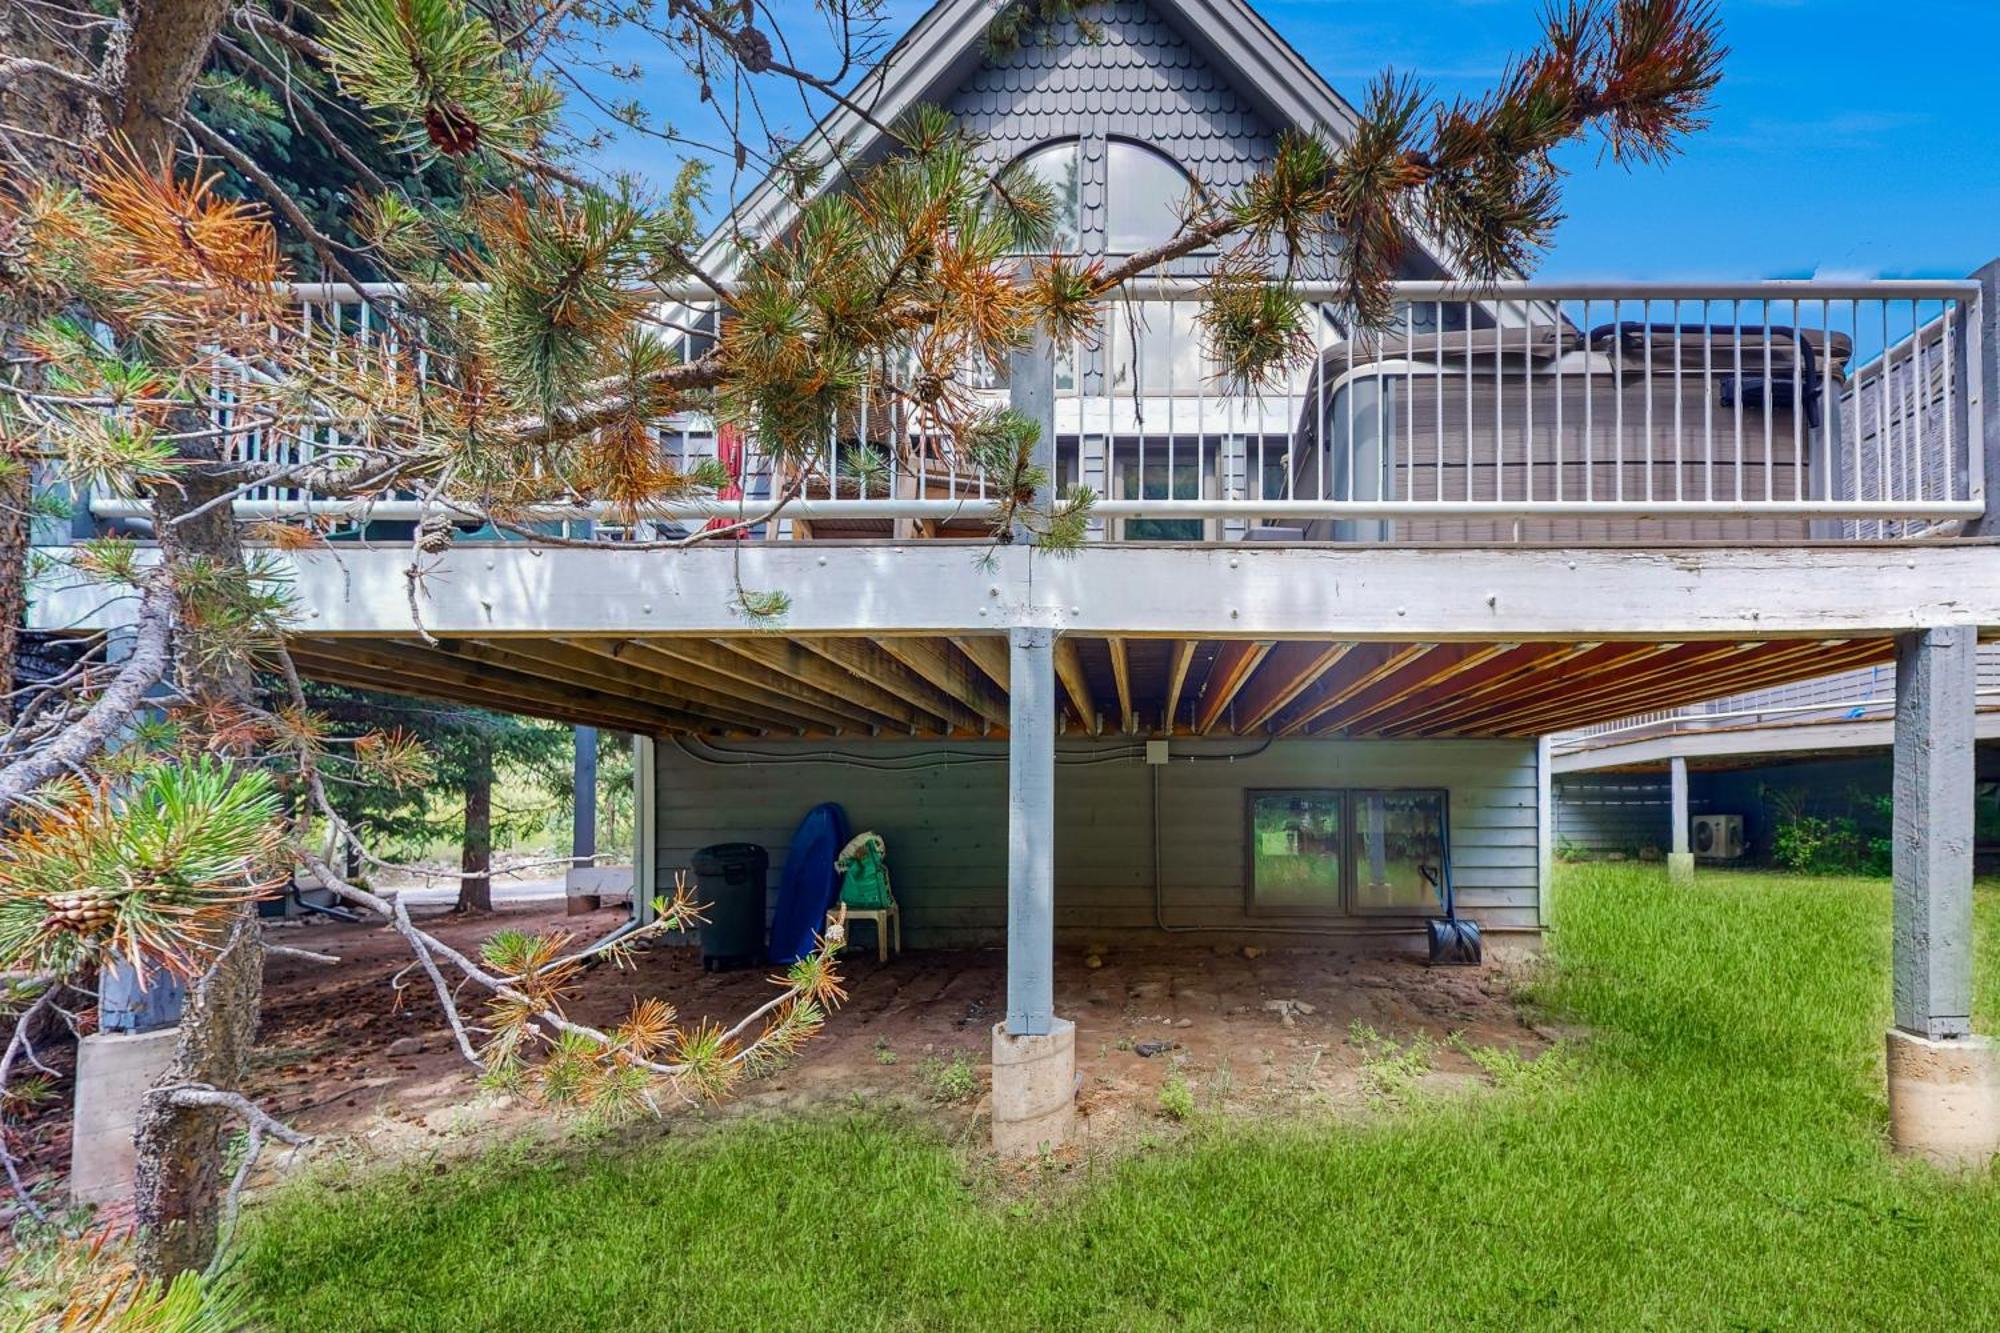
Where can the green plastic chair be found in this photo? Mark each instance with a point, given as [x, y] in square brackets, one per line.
[865, 893]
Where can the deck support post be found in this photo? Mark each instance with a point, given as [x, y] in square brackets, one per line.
[1680, 859]
[1034, 1052]
[1031, 393]
[1944, 1082]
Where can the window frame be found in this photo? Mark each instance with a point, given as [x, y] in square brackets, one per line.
[1345, 904]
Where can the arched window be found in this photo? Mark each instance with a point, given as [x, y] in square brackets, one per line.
[1060, 167]
[1145, 196]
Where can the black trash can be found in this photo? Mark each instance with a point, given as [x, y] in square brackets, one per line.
[730, 879]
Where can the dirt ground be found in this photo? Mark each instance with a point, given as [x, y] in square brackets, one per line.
[369, 1069]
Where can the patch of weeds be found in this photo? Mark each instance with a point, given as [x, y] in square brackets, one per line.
[885, 1054]
[1512, 1071]
[1221, 1083]
[1391, 1070]
[1176, 1097]
[949, 1082]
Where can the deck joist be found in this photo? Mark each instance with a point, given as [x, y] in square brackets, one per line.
[955, 687]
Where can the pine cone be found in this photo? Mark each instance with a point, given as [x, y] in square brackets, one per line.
[434, 534]
[451, 128]
[85, 912]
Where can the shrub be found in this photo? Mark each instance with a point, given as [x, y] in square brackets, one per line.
[1176, 1097]
[1816, 845]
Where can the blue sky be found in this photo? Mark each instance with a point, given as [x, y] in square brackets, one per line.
[1849, 139]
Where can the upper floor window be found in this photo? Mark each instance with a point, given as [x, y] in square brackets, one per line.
[1145, 197]
[1060, 167]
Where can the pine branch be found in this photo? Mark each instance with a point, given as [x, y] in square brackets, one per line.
[113, 710]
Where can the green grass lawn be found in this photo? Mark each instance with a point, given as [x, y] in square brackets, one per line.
[1717, 1162]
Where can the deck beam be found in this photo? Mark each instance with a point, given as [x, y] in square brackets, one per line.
[1212, 591]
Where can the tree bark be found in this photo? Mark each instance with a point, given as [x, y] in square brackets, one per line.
[475, 891]
[148, 77]
[179, 1182]
[179, 1179]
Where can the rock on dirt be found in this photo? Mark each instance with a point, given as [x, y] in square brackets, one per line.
[406, 1046]
[1287, 1010]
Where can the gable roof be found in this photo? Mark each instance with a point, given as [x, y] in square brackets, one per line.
[948, 43]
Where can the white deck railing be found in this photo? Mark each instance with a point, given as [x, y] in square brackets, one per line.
[1527, 411]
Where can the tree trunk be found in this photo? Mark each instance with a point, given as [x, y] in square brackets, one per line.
[148, 78]
[178, 1182]
[475, 891]
[179, 1179]
[145, 75]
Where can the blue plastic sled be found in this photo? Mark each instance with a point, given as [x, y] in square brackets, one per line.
[810, 884]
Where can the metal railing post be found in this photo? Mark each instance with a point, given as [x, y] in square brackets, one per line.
[1980, 346]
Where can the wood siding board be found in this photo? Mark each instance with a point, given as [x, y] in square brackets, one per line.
[945, 825]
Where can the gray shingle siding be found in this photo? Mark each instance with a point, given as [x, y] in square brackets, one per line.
[1140, 81]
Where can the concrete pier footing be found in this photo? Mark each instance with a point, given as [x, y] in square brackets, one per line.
[1034, 1089]
[113, 1071]
[1944, 1099]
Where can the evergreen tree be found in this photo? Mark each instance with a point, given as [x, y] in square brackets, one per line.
[140, 305]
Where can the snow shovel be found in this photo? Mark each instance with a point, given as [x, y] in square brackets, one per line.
[1453, 943]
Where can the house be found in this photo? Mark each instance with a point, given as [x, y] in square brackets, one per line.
[1315, 649]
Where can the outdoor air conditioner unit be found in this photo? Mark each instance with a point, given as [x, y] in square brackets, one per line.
[1717, 837]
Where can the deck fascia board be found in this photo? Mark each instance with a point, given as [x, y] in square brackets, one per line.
[1474, 594]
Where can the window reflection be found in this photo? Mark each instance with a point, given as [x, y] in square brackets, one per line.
[1398, 850]
[1059, 166]
[1156, 347]
[1145, 198]
[1295, 850]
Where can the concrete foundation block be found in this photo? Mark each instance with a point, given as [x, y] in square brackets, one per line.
[113, 1071]
[1680, 867]
[1034, 1089]
[1944, 1099]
